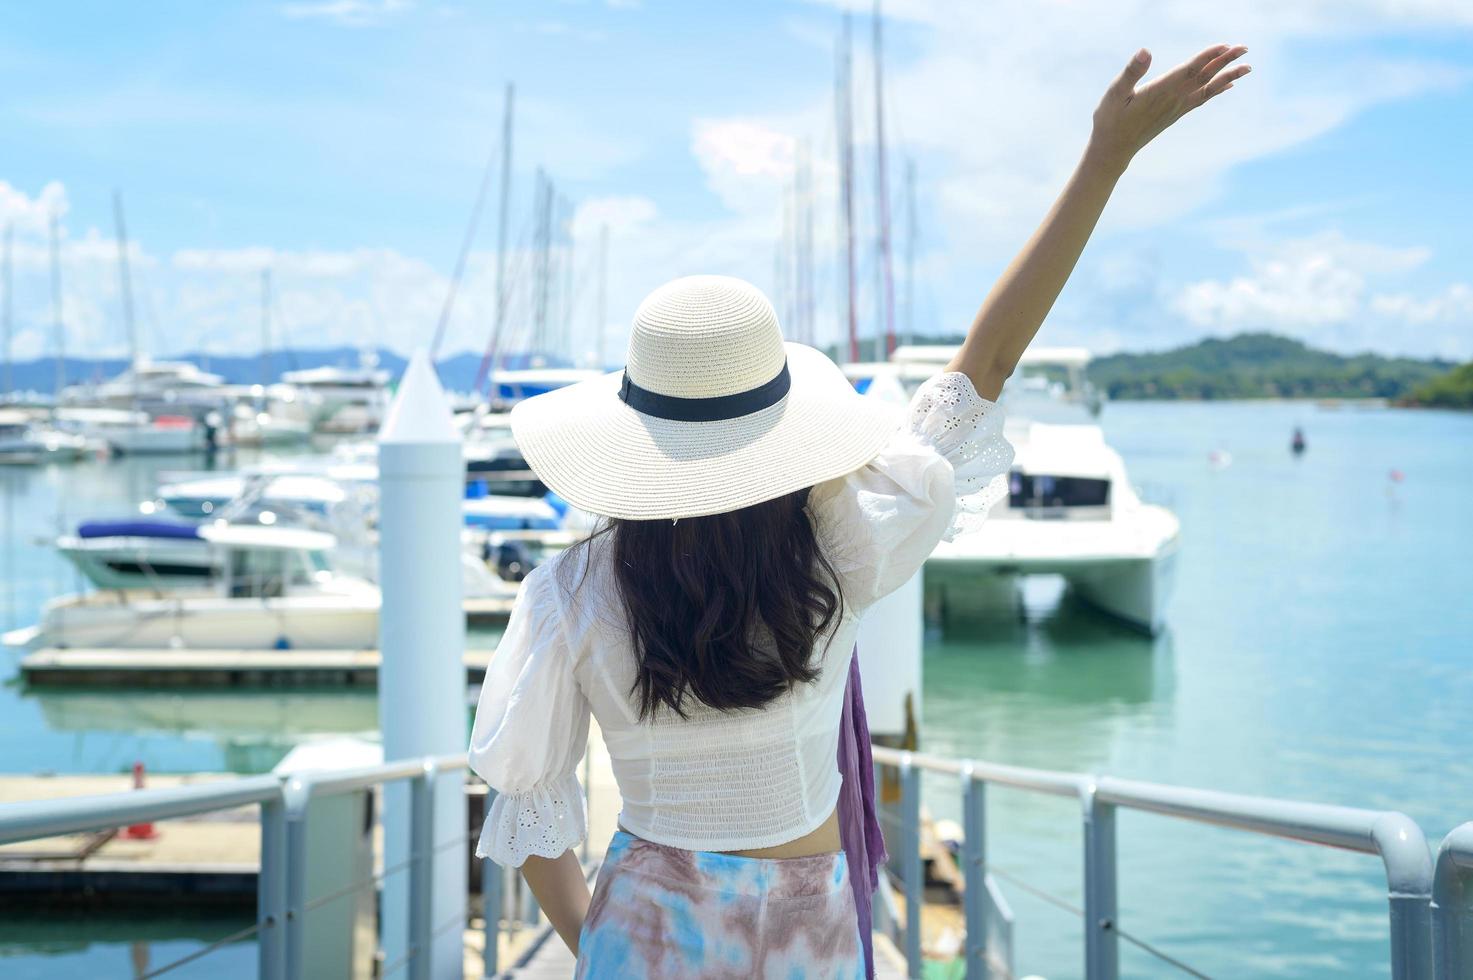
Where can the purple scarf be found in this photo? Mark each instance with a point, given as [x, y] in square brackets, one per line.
[859, 825]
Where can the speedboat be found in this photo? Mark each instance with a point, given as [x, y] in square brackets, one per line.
[1070, 509]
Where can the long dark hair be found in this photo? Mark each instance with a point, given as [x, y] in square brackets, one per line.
[725, 609]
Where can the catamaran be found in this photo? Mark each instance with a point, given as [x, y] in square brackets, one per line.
[1070, 509]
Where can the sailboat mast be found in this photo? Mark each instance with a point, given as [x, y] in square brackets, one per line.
[56, 310]
[845, 134]
[544, 256]
[502, 218]
[9, 310]
[886, 283]
[603, 294]
[565, 334]
[265, 327]
[489, 358]
[910, 250]
[125, 290]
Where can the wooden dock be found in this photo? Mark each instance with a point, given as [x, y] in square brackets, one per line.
[211, 858]
[215, 668]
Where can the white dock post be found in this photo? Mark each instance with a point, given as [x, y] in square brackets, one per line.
[421, 690]
[890, 637]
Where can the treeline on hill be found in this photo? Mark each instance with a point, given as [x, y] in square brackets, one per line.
[1260, 365]
[1451, 390]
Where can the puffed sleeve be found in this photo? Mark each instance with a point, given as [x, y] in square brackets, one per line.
[936, 478]
[530, 732]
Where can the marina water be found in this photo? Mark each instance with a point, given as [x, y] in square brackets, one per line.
[1319, 649]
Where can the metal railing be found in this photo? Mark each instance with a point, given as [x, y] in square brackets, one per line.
[1452, 906]
[1392, 836]
[1431, 918]
[281, 893]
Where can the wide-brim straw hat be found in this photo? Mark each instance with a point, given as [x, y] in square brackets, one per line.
[712, 412]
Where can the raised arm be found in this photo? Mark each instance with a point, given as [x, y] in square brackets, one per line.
[1128, 117]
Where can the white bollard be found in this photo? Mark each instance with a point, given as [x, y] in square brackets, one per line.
[422, 685]
[890, 641]
[891, 634]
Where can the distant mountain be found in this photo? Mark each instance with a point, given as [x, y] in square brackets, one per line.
[457, 373]
[1259, 365]
[1451, 390]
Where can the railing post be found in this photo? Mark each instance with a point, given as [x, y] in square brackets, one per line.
[974, 861]
[491, 910]
[421, 871]
[1452, 906]
[296, 793]
[1403, 850]
[1101, 947]
[271, 892]
[491, 905]
[910, 861]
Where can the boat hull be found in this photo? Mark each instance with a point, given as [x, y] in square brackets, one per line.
[204, 622]
[1126, 569]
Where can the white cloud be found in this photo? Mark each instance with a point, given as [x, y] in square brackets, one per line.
[996, 108]
[349, 13]
[1335, 292]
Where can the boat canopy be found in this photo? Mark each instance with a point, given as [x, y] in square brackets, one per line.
[137, 529]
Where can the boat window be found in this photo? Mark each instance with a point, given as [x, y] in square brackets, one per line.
[258, 573]
[1033, 491]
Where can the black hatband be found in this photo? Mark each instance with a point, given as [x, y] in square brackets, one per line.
[706, 409]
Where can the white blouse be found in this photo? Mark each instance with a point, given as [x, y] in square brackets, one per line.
[717, 781]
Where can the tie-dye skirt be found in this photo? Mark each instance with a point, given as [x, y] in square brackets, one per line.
[662, 912]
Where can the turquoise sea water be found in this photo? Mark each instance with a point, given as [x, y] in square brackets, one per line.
[1319, 649]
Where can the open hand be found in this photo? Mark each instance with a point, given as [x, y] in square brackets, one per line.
[1129, 117]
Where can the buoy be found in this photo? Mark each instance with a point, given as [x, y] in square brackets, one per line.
[139, 831]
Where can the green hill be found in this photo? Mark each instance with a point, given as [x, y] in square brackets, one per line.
[1259, 365]
[1451, 390]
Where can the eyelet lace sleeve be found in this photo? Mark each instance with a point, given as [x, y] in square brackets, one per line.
[966, 429]
[530, 732]
[936, 478]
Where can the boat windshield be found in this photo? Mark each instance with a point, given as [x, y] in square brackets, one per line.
[1040, 495]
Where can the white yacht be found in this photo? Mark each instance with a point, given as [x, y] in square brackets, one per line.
[26, 440]
[148, 380]
[132, 432]
[276, 590]
[345, 399]
[1070, 509]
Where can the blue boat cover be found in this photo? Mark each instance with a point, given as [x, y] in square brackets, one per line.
[136, 529]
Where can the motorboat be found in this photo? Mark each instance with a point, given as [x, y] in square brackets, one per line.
[148, 380]
[26, 440]
[138, 432]
[512, 385]
[299, 489]
[160, 555]
[274, 415]
[345, 399]
[276, 590]
[1069, 507]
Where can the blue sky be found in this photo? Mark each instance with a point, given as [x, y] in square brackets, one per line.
[339, 143]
